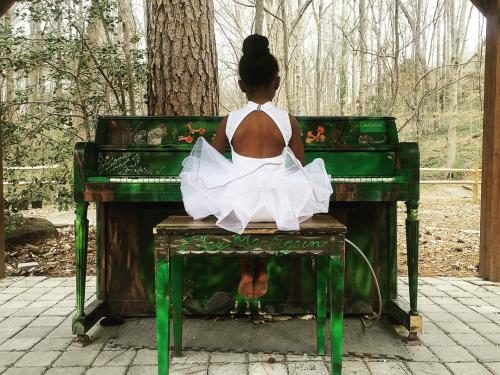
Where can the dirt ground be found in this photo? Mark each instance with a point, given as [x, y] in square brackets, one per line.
[449, 240]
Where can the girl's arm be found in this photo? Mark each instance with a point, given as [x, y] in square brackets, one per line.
[220, 140]
[296, 140]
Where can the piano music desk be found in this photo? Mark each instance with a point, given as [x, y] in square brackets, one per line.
[179, 236]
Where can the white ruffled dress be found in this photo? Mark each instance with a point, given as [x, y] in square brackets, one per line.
[277, 189]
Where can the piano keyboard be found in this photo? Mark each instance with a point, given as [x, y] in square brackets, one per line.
[177, 180]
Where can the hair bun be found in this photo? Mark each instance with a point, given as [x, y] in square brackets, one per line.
[256, 45]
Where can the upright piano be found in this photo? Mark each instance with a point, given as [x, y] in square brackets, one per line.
[131, 171]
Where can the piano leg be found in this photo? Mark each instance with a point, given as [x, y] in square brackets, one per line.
[81, 242]
[336, 298]
[398, 308]
[412, 238]
[412, 252]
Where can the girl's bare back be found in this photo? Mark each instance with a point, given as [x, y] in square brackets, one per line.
[258, 136]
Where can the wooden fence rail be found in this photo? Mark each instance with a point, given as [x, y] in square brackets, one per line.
[475, 182]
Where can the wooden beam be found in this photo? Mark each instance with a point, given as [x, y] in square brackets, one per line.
[489, 252]
[5, 5]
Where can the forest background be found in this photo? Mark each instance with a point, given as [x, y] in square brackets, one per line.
[65, 62]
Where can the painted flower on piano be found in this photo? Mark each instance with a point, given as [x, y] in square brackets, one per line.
[318, 137]
[192, 131]
[187, 139]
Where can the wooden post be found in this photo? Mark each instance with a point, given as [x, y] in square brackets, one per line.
[2, 216]
[489, 252]
[475, 187]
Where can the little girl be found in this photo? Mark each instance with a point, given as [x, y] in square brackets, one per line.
[266, 180]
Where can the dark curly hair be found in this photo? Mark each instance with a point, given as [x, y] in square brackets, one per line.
[257, 66]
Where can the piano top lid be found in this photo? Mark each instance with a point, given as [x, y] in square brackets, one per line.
[333, 118]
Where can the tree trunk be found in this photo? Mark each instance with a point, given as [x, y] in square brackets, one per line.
[317, 16]
[259, 16]
[182, 58]
[127, 19]
[362, 57]
[285, 79]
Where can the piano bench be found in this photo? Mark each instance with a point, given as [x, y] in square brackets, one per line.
[177, 236]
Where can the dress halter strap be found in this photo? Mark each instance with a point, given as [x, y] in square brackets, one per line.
[279, 117]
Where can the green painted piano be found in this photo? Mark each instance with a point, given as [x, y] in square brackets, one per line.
[131, 172]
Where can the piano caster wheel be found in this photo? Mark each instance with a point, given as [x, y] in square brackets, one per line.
[234, 311]
[248, 310]
[412, 339]
[83, 340]
[259, 310]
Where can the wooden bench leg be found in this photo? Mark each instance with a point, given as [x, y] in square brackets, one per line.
[162, 280]
[336, 297]
[177, 269]
[321, 298]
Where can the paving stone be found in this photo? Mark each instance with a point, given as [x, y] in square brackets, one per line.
[6, 312]
[493, 337]
[108, 370]
[431, 291]
[263, 368]
[189, 356]
[485, 353]
[352, 367]
[306, 368]
[470, 316]
[114, 358]
[29, 311]
[427, 368]
[387, 368]
[302, 358]
[45, 304]
[468, 368]
[494, 367]
[441, 317]
[454, 327]
[49, 283]
[431, 308]
[6, 333]
[421, 354]
[469, 339]
[143, 370]
[228, 369]
[264, 357]
[46, 321]
[188, 369]
[19, 344]
[58, 311]
[8, 358]
[12, 304]
[33, 332]
[35, 359]
[29, 281]
[452, 353]
[25, 371]
[429, 327]
[486, 328]
[53, 343]
[65, 371]
[217, 357]
[13, 290]
[74, 358]
[146, 357]
[16, 321]
[436, 339]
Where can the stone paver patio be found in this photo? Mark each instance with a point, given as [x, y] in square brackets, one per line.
[461, 336]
